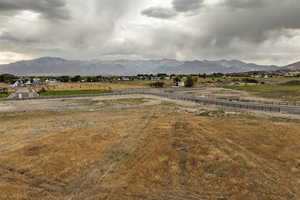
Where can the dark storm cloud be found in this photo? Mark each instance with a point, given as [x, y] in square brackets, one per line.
[178, 6]
[91, 24]
[247, 29]
[51, 9]
[187, 5]
[256, 22]
[158, 12]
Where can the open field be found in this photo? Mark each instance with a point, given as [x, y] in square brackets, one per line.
[273, 80]
[95, 86]
[281, 92]
[72, 92]
[136, 148]
[3, 85]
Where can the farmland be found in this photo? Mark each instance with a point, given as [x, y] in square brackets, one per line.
[137, 147]
[94, 86]
[72, 92]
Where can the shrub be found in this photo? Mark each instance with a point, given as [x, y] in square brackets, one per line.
[42, 90]
[157, 84]
[294, 82]
[250, 80]
[189, 82]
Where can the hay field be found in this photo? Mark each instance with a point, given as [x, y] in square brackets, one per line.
[91, 86]
[4, 85]
[155, 152]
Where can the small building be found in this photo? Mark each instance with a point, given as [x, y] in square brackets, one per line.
[16, 84]
[179, 84]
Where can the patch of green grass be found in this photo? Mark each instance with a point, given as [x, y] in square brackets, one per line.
[283, 92]
[3, 95]
[73, 92]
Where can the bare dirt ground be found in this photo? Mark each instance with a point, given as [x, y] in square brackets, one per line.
[137, 148]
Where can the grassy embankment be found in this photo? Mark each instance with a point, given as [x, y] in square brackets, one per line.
[73, 92]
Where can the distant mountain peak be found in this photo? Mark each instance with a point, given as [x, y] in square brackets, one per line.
[49, 59]
[292, 67]
[60, 66]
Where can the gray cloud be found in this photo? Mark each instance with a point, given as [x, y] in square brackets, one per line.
[187, 5]
[158, 12]
[256, 30]
[91, 25]
[254, 23]
[51, 9]
[244, 3]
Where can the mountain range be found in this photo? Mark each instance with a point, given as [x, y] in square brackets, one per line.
[292, 67]
[57, 66]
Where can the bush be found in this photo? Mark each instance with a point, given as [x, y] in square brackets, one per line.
[157, 84]
[8, 78]
[3, 91]
[292, 83]
[43, 90]
[250, 80]
[189, 82]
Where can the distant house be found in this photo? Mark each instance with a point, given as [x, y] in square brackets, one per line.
[16, 84]
[179, 84]
[28, 83]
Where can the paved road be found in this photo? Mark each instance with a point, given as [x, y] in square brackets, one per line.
[171, 94]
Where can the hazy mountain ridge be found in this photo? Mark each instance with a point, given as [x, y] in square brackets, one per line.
[59, 66]
[292, 67]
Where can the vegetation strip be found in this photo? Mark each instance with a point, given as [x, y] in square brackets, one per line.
[3, 95]
[283, 92]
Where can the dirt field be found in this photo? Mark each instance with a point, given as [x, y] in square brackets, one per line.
[221, 93]
[142, 148]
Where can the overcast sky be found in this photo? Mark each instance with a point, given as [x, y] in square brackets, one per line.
[260, 31]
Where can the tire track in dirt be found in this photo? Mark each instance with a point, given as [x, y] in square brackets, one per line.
[181, 134]
[15, 176]
[87, 184]
[267, 171]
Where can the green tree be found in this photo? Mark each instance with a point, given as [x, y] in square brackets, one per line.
[157, 84]
[64, 79]
[189, 82]
[8, 78]
[76, 78]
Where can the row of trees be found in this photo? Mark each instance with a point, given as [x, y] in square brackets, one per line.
[188, 81]
[8, 78]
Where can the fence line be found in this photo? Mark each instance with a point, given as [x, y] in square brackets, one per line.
[202, 100]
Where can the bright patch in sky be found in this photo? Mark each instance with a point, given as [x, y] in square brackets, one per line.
[9, 57]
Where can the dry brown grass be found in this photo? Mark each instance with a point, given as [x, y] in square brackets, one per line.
[92, 86]
[146, 153]
[3, 85]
